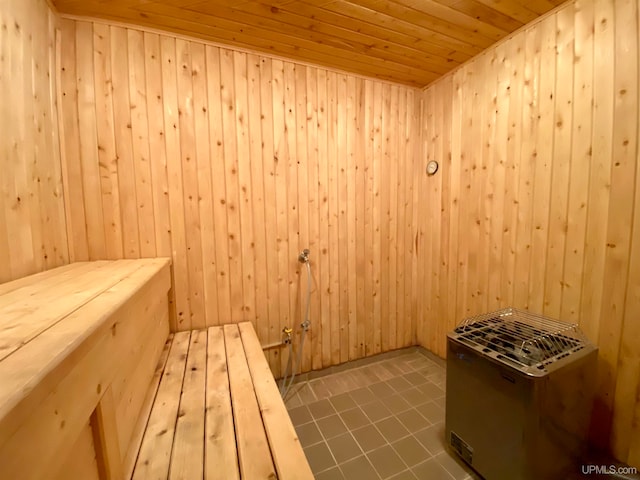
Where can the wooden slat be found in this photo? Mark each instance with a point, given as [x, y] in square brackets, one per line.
[324, 242]
[35, 282]
[253, 450]
[87, 133]
[140, 143]
[107, 142]
[286, 450]
[155, 452]
[560, 170]
[614, 391]
[204, 180]
[140, 426]
[220, 454]
[188, 166]
[70, 145]
[218, 198]
[174, 178]
[27, 318]
[270, 212]
[245, 203]
[124, 143]
[187, 456]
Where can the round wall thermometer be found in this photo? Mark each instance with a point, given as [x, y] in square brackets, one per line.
[432, 167]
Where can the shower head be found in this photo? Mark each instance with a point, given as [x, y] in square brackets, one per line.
[304, 256]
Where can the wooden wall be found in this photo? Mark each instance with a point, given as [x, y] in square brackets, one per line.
[232, 163]
[32, 224]
[537, 204]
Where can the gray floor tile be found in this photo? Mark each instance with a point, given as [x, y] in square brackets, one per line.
[304, 392]
[359, 469]
[386, 461]
[404, 366]
[399, 384]
[331, 426]
[454, 465]
[336, 384]
[308, 434]
[354, 418]
[406, 475]
[396, 404]
[321, 408]
[415, 379]
[292, 401]
[412, 420]
[344, 447]
[390, 409]
[342, 402]
[319, 457]
[369, 372]
[392, 368]
[431, 470]
[432, 438]
[376, 410]
[300, 415]
[438, 378]
[430, 370]
[319, 389]
[431, 390]
[411, 451]
[391, 429]
[368, 437]
[362, 396]
[381, 389]
[431, 412]
[415, 396]
[331, 474]
[358, 379]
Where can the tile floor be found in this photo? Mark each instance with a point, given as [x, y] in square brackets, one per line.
[381, 420]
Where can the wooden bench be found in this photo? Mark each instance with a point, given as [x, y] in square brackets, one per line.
[92, 384]
[218, 414]
[78, 349]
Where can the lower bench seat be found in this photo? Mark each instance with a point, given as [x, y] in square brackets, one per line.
[217, 413]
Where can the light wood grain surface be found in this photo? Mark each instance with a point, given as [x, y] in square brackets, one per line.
[218, 413]
[253, 159]
[539, 200]
[406, 41]
[33, 234]
[78, 360]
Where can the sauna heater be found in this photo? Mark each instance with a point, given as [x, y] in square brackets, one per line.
[519, 395]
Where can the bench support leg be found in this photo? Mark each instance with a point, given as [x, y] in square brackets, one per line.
[105, 438]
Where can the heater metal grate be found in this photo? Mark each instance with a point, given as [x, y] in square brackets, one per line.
[521, 339]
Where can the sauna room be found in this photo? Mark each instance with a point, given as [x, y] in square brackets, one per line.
[330, 239]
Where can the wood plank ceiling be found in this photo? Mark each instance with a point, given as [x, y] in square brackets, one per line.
[407, 41]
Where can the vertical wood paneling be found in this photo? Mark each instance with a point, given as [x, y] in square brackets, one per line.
[553, 204]
[107, 158]
[33, 234]
[232, 163]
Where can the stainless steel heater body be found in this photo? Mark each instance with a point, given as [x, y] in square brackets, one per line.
[519, 395]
